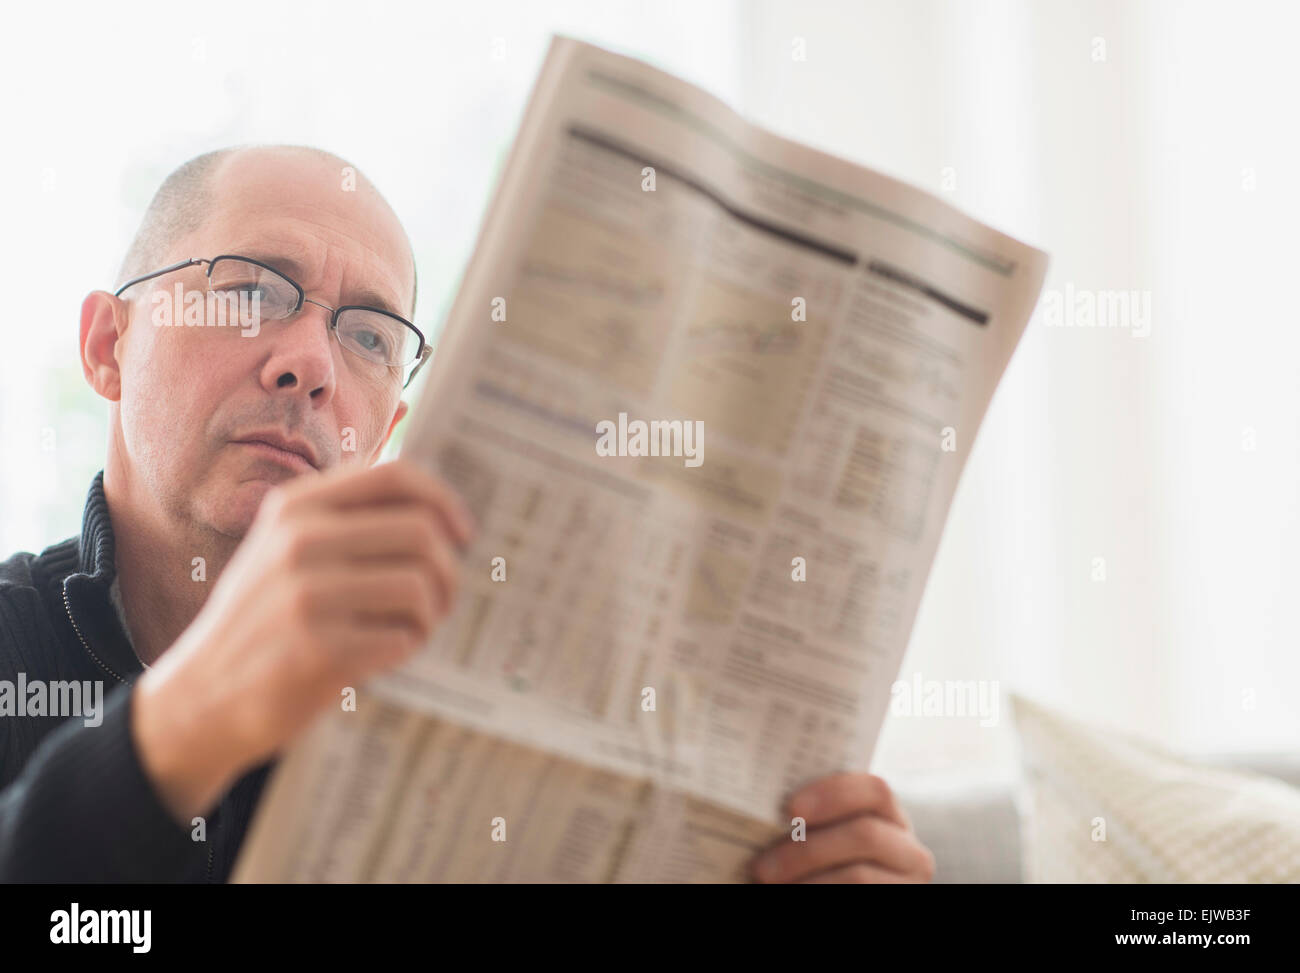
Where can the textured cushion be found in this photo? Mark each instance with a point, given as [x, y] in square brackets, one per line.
[1103, 807]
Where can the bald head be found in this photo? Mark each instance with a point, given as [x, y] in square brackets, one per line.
[190, 195]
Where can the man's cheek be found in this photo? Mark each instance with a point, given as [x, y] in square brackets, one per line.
[361, 431]
[356, 441]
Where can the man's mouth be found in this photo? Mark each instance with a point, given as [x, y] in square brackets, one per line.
[294, 453]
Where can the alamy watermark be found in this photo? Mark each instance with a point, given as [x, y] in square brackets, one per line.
[658, 437]
[130, 927]
[40, 698]
[946, 697]
[207, 308]
[1076, 307]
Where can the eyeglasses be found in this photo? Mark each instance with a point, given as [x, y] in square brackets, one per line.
[378, 336]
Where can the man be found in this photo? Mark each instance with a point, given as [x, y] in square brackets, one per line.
[242, 557]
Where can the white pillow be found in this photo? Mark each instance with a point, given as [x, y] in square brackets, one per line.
[1102, 807]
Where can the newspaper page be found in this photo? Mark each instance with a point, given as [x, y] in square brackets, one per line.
[708, 393]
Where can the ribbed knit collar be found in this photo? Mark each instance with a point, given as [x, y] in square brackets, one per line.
[98, 550]
[87, 596]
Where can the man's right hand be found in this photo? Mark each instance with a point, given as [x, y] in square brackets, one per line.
[340, 576]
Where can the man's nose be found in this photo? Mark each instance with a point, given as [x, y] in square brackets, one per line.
[302, 355]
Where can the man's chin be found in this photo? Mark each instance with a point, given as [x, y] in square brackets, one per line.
[232, 510]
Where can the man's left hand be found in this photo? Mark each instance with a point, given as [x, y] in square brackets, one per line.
[856, 832]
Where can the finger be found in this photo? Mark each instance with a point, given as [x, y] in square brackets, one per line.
[865, 838]
[388, 483]
[843, 795]
[388, 533]
[859, 873]
[376, 596]
[374, 648]
[447, 571]
[378, 539]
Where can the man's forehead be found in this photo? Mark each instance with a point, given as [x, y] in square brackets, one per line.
[293, 212]
[366, 277]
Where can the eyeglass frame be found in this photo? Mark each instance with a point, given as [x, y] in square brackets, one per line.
[425, 349]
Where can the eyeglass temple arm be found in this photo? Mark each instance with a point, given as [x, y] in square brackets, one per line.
[424, 357]
[158, 273]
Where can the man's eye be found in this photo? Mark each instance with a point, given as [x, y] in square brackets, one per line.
[372, 341]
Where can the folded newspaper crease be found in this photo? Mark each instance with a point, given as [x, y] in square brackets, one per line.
[788, 357]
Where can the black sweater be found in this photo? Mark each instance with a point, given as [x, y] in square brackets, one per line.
[75, 803]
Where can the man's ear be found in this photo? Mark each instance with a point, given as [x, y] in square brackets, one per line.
[402, 408]
[103, 319]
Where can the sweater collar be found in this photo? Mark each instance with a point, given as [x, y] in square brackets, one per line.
[87, 595]
[97, 557]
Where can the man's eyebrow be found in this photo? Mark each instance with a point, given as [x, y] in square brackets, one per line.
[278, 261]
[371, 299]
[295, 270]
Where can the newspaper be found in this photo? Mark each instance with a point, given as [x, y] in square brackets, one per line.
[708, 393]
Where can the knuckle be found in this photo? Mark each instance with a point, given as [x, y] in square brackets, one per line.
[865, 831]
